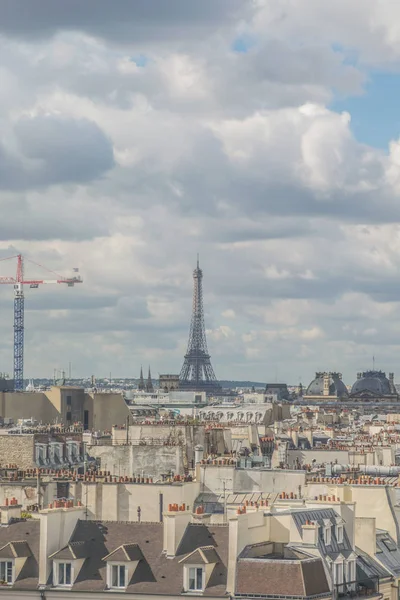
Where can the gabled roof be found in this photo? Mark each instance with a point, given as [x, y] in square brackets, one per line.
[72, 551]
[125, 552]
[15, 550]
[154, 574]
[206, 555]
[20, 536]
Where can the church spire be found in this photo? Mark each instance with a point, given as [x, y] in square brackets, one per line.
[141, 385]
[149, 383]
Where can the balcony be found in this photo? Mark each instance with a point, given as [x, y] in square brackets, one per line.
[367, 587]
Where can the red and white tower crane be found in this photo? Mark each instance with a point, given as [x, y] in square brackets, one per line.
[18, 282]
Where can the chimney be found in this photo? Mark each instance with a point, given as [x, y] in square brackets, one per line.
[310, 533]
[176, 519]
[56, 527]
[10, 510]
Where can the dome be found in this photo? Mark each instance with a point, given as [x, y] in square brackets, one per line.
[336, 386]
[372, 382]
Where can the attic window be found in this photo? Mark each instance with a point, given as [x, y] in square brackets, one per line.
[62, 574]
[194, 578]
[339, 534]
[390, 545]
[116, 576]
[327, 535]
[6, 571]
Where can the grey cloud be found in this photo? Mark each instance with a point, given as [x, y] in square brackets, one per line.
[122, 21]
[66, 150]
[30, 221]
[135, 229]
[55, 150]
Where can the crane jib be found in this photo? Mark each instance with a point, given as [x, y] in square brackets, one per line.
[18, 282]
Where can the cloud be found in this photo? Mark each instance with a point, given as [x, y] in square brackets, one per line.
[56, 150]
[132, 139]
[122, 22]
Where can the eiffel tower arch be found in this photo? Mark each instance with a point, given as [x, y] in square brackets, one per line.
[197, 373]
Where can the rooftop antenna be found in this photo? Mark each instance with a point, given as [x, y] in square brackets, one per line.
[198, 260]
[373, 363]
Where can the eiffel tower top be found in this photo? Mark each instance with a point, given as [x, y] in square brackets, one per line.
[197, 372]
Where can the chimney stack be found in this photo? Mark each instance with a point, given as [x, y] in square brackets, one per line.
[176, 519]
[56, 527]
[10, 510]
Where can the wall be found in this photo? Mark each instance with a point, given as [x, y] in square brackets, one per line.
[23, 450]
[147, 461]
[371, 501]
[105, 410]
[26, 492]
[19, 405]
[365, 534]
[213, 477]
[120, 501]
[306, 457]
[269, 480]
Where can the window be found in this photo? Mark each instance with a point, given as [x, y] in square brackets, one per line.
[339, 534]
[351, 574]
[69, 400]
[117, 576]
[64, 574]
[327, 535]
[195, 579]
[6, 571]
[69, 417]
[338, 576]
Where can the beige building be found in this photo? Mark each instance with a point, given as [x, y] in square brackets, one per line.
[66, 405]
[284, 551]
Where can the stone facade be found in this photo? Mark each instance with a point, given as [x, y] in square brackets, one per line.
[18, 450]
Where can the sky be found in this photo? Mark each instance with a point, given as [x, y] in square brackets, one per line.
[262, 134]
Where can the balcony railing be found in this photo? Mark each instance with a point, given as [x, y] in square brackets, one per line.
[367, 587]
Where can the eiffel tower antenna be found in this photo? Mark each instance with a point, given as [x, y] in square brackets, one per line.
[197, 372]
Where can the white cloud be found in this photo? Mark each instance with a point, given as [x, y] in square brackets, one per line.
[131, 141]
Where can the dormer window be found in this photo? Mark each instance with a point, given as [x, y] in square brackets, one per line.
[6, 571]
[194, 578]
[198, 567]
[116, 576]
[62, 574]
[327, 534]
[339, 534]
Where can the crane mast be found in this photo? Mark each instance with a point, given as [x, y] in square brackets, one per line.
[19, 310]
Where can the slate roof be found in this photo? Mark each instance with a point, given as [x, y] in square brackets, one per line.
[205, 555]
[23, 536]
[155, 573]
[319, 516]
[388, 553]
[126, 552]
[281, 577]
[15, 550]
[368, 567]
[71, 551]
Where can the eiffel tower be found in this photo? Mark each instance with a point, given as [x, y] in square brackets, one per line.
[197, 373]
